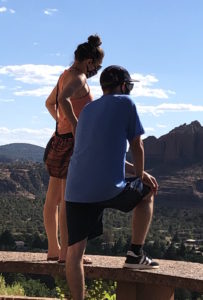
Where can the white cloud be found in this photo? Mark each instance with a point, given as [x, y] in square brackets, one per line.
[157, 110]
[96, 91]
[144, 89]
[95, 79]
[40, 92]
[2, 87]
[46, 75]
[25, 135]
[50, 11]
[161, 126]
[145, 80]
[17, 87]
[171, 92]
[46, 90]
[3, 9]
[149, 129]
[12, 11]
[33, 74]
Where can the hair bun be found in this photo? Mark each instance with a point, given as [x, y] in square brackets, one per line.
[94, 40]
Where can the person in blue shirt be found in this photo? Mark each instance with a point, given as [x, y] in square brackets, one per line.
[96, 176]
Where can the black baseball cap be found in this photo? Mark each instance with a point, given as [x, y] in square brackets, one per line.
[115, 75]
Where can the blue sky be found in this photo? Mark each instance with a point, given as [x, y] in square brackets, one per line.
[159, 42]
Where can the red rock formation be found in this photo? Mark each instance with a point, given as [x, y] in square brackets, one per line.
[183, 144]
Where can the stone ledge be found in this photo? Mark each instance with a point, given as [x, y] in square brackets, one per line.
[176, 274]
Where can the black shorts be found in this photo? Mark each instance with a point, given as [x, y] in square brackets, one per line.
[84, 220]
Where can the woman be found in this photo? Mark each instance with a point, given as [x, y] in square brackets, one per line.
[74, 94]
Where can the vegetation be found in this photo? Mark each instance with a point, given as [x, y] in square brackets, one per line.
[14, 289]
[166, 239]
[18, 284]
[22, 194]
[95, 290]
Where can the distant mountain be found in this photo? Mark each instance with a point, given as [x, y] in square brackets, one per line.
[183, 145]
[21, 152]
[175, 159]
[23, 179]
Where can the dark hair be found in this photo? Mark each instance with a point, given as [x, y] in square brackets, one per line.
[113, 76]
[90, 49]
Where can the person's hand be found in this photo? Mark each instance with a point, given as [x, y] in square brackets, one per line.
[151, 182]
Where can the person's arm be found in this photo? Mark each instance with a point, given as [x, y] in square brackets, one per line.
[51, 103]
[129, 168]
[64, 98]
[137, 152]
[51, 106]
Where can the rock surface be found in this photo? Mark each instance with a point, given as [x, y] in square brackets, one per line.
[183, 144]
[171, 273]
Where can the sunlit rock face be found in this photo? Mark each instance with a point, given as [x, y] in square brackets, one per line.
[176, 160]
[182, 145]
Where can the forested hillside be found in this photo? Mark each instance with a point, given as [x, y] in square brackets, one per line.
[178, 212]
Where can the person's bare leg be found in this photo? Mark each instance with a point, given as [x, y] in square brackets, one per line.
[142, 216]
[50, 214]
[75, 270]
[63, 223]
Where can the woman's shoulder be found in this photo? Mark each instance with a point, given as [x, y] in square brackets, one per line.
[71, 75]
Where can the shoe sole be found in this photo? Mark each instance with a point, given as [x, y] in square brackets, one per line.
[139, 267]
[54, 258]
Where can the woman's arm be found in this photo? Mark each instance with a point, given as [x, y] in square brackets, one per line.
[51, 103]
[64, 98]
[51, 106]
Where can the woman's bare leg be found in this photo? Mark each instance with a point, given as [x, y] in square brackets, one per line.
[63, 223]
[50, 214]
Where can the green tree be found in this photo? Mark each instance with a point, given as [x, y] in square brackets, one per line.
[176, 238]
[7, 241]
[171, 252]
[118, 248]
[37, 242]
[182, 252]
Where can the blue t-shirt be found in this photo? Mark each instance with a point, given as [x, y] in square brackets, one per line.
[97, 167]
